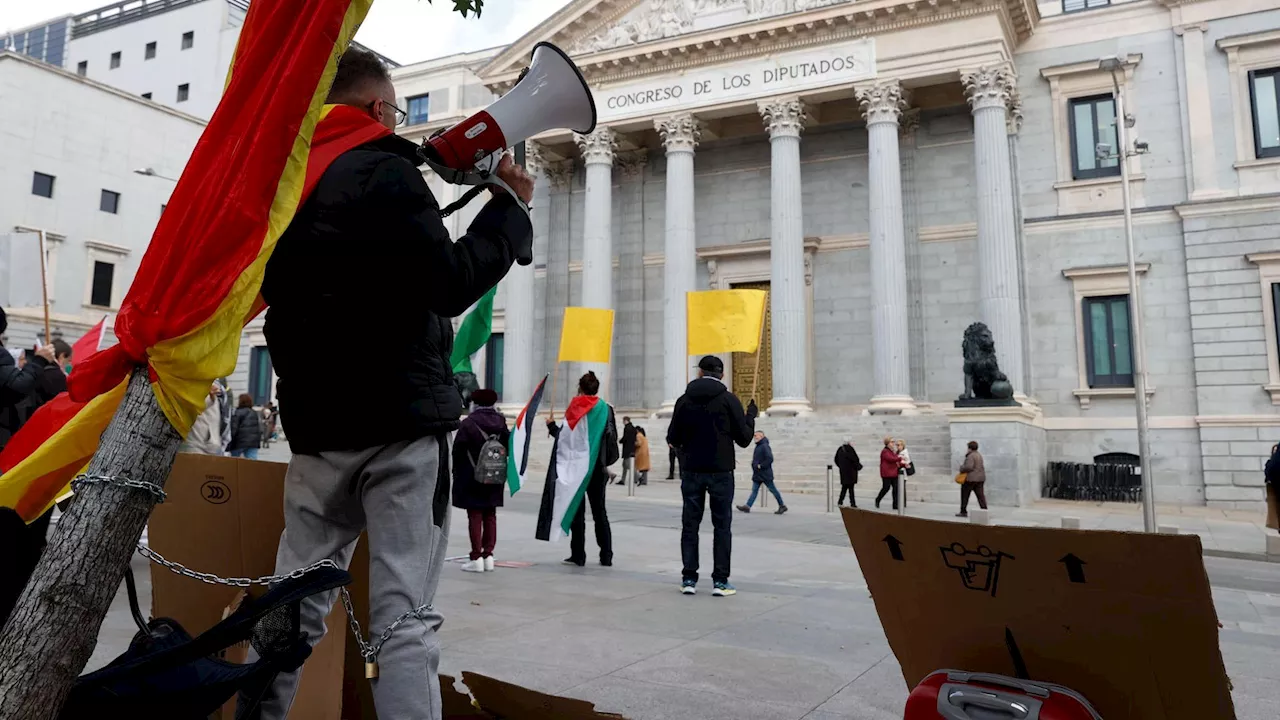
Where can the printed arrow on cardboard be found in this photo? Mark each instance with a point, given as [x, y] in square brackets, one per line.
[1075, 568]
[895, 546]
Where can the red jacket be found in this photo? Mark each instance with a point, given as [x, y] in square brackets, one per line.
[889, 463]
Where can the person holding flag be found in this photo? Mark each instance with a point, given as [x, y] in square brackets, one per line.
[368, 249]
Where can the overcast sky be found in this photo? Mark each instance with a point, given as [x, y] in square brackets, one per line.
[407, 31]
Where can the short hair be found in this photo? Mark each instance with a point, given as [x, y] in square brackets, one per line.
[4, 321]
[246, 400]
[626, 419]
[973, 444]
[61, 347]
[358, 71]
[589, 384]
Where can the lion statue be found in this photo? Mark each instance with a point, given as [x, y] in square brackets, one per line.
[982, 377]
[467, 383]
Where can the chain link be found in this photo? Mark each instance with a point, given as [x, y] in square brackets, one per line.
[151, 488]
[368, 651]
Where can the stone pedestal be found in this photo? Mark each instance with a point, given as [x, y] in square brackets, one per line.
[1012, 443]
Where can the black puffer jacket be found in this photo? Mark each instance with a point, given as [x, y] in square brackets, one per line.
[368, 254]
[17, 387]
[246, 429]
[707, 422]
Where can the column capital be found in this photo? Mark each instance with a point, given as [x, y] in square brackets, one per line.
[990, 86]
[783, 117]
[882, 102]
[535, 159]
[559, 174]
[909, 123]
[680, 133]
[598, 147]
[1199, 27]
[1013, 123]
[632, 164]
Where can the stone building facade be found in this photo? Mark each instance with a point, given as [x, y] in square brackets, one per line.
[892, 171]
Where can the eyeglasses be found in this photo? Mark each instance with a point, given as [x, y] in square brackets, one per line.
[400, 114]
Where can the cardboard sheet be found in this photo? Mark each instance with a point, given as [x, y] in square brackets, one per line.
[1126, 619]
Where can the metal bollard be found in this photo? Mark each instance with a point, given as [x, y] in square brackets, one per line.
[829, 506]
[763, 494]
[631, 478]
[902, 494]
[1070, 523]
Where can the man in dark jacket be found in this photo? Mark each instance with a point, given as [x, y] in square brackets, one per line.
[18, 384]
[705, 425]
[368, 250]
[762, 474]
[849, 464]
[628, 450]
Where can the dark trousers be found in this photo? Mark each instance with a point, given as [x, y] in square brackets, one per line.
[695, 487]
[976, 489]
[578, 530]
[23, 545]
[483, 526]
[847, 489]
[672, 463]
[888, 485]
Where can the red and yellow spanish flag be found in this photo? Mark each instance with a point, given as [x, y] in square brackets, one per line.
[197, 285]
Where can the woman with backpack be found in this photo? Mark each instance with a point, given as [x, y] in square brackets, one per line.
[480, 474]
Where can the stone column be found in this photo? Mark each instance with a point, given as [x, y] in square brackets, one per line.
[517, 338]
[784, 118]
[1195, 75]
[680, 136]
[990, 90]
[597, 228]
[883, 104]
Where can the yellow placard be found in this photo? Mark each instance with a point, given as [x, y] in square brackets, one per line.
[587, 335]
[725, 321]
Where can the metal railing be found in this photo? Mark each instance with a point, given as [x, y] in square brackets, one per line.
[1096, 482]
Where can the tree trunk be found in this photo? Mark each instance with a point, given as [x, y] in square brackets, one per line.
[52, 631]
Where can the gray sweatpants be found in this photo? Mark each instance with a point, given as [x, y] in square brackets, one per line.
[390, 490]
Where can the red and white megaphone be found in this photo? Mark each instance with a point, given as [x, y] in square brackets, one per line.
[550, 95]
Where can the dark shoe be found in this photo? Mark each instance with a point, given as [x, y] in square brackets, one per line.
[606, 563]
[571, 561]
[781, 509]
[689, 587]
[744, 508]
[877, 504]
[962, 514]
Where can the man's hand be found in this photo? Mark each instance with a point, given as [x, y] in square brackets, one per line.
[516, 177]
[46, 352]
[752, 410]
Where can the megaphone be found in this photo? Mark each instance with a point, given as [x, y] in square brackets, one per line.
[551, 94]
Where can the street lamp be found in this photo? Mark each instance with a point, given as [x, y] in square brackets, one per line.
[151, 172]
[1124, 121]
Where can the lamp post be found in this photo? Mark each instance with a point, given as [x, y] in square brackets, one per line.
[151, 172]
[1114, 65]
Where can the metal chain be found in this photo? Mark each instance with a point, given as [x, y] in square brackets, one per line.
[153, 489]
[368, 651]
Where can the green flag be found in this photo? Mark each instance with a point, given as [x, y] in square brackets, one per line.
[474, 332]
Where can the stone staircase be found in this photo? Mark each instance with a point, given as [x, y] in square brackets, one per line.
[804, 446]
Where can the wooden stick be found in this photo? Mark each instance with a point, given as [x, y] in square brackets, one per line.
[44, 290]
[755, 380]
[555, 375]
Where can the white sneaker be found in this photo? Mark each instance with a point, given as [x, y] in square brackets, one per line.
[473, 566]
[488, 564]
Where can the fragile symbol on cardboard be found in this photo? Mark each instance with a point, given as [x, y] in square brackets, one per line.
[1075, 567]
[215, 491]
[979, 569]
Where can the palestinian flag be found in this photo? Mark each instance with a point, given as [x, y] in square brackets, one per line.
[196, 287]
[521, 435]
[578, 443]
[473, 333]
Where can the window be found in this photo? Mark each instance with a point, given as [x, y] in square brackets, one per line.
[150, 52]
[42, 185]
[1107, 348]
[188, 39]
[184, 91]
[82, 67]
[1264, 96]
[1093, 123]
[103, 274]
[1069, 6]
[260, 375]
[417, 109]
[110, 202]
[493, 364]
[146, 96]
[115, 60]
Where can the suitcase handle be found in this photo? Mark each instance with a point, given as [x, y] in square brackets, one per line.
[962, 699]
[1000, 681]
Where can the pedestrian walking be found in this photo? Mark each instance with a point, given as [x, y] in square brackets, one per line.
[707, 422]
[849, 464]
[246, 430]
[479, 476]
[588, 385]
[1271, 475]
[628, 450]
[642, 457]
[975, 478]
[890, 464]
[205, 435]
[762, 474]
[906, 468]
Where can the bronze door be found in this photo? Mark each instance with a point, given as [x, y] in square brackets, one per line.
[744, 364]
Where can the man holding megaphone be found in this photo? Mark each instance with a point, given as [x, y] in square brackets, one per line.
[367, 254]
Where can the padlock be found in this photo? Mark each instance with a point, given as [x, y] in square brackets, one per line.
[370, 669]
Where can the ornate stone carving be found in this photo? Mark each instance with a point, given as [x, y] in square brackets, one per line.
[598, 147]
[909, 123]
[631, 164]
[783, 117]
[990, 86]
[559, 174]
[534, 159]
[808, 269]
[713, 274]
[1015, 112]
[883, 102]
[680, 133]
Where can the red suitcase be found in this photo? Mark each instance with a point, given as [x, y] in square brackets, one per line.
[955, 695]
